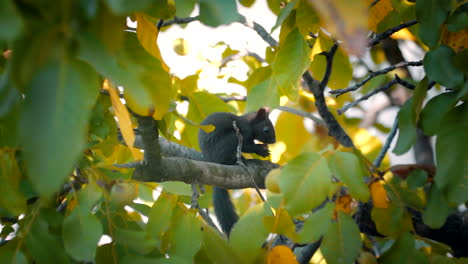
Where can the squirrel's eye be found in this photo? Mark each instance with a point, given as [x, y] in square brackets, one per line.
[266, 129]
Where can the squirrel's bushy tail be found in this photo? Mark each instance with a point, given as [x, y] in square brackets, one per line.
[224, 209]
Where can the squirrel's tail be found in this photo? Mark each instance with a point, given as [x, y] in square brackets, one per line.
[224, 209]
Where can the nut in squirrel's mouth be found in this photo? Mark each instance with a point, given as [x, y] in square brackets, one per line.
[258, 142]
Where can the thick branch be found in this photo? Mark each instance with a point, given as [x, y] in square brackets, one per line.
[339, 92]
[334, 129]
[190, 171]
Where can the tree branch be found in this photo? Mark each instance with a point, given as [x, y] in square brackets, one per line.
[329, 56]
[339, 92]
[386, 146]
[375, 91]
[178, 20]
[192, 171]
[390, 31]
[301, 113]
[260, 31]
[334, 129]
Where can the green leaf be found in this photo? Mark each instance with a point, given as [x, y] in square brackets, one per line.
[451, 153]
[308, 171]
[263, 94]
[138, 259]
[12, 199]
[391, 221]
[251, 223]
[12, 256]
[184, 7]
[342, 242]
[417, 179]
[177, 187]
[43, 246]
[284, 13]
[439, 67]
[9, 95]
[218, 12]
[160, 215]
[127, 7]
[57, 108]
[217, 247]
[458, 20]
[403, 251]
[430, 15]
[437, 209]
[155, 93]
[406, 129]
[290, 63]
[258, 76]
[247, 3]
[88, 197]
[11, 21]
[136, 240]
[185, 235]
[307, 19]
[162, 9]
[81, 234]
[316, 224]
[347, 168]
[418, 98]
[281, 223]
[435, 110]
[459, 62]
[406, 9]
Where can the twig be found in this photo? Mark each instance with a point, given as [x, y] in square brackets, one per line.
[260, 31]
[194, 205]
[373, 3]
[375, 91]
[387, 33]
[208, 220]
[386, 146]
[329, 56]
[241, 163]
[178, 20]
[359, 84]
[195, 195]
[301, 113]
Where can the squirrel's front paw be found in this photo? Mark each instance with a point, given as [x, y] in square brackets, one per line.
[264, 151]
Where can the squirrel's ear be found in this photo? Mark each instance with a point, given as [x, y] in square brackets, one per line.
[263, 112]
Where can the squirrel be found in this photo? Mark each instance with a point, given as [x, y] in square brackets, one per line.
[220, 146]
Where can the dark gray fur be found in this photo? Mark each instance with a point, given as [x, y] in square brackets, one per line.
[220, 146]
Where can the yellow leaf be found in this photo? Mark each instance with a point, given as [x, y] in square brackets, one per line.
[123, 117]
[147, 34]
[379, 195]
[291, 131]
[347, 21]
[281, 255]
[404, 34]
[458, 41]
[378, 12]
[344, 204]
